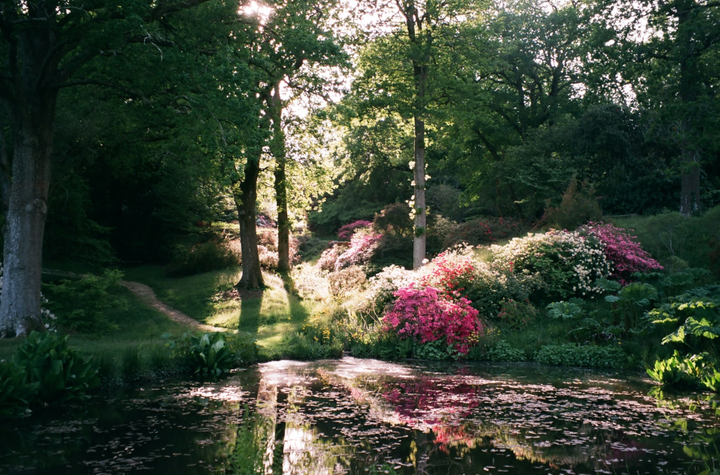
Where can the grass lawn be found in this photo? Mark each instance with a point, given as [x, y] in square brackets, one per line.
[210, 298]
[137, 344]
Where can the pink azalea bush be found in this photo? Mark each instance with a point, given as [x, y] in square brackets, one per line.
[426, 315]
[340, 255]
[621, 249]
[362, 246]
[348, 230]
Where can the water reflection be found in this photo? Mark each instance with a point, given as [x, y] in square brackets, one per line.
[355, 416]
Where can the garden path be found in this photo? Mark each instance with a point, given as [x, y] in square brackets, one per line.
[148, 297]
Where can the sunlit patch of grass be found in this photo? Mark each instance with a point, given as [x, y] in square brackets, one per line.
[267, 315]
[193, 295]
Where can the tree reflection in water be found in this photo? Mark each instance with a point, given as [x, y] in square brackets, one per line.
[354, 416]
[348, 416]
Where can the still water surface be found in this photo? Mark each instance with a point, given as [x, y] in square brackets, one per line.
[358, 416]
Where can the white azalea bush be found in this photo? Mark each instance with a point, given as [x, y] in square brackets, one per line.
[383, 285]
[567, 263]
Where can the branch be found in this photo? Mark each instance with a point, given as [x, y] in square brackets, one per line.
[76, 63]
[165, 9]
[94, 82]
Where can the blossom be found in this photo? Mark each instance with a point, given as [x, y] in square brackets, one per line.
[426, 315]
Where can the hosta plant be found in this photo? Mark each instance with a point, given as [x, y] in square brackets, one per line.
[680, 370]
[60, 372]
[15, 392]
[208, 354]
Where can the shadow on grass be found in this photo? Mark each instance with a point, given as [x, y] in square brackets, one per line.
[298, 311]
[250, 306]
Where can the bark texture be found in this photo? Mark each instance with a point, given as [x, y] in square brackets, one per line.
[32, 107]
[252, 278]
[420, 44]
[278, 150]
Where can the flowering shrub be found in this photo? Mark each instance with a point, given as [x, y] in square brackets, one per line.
[268, 248]
[491, 286]
[310, 282]
[330, 256]
[451, 272]
[621, 250]
[483, 231]
[362, 245]
[346, 281]
[426, 315]
[384, 284]
[347, 231]
[567, 263]
[358, 252]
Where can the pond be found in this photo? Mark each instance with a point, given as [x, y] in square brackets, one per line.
[368, 416]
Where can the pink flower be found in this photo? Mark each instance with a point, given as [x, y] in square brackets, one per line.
[426, 315]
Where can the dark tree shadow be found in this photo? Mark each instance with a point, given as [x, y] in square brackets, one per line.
[298, 312]
[250, 306]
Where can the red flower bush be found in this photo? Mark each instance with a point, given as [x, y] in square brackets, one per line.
[451, 272]
[427, 315]
[347, 231]
[621, 250]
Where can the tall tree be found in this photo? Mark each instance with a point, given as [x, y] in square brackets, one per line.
[44, 47]
[294, 43]
[402, 82]
[674, 71]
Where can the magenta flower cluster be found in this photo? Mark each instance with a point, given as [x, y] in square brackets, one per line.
[347, 231]
[621, 249]
[428, 314]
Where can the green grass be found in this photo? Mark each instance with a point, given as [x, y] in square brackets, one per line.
[192, 295]
[134, 351]
[267, 315]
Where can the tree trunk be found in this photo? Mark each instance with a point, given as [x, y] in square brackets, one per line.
[279, 152]
[420, 238]
[691, 79]
[420, 62]
[283, 219]
[4, 173]
[690, 186]
[25, 225]
[32, 109]
[252, 278]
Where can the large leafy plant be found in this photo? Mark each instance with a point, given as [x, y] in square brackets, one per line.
[209, 354]
[15, 392]
[59, 371]
[697, 322]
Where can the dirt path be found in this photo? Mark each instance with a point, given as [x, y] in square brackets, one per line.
[147, 296]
